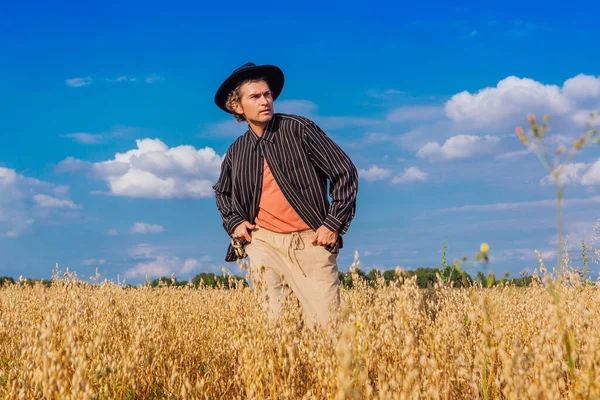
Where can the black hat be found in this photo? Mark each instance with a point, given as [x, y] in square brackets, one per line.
[271, 73]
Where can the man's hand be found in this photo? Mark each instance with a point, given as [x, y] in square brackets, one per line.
[324, 236]
[241, 231]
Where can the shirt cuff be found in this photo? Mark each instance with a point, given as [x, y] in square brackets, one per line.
[233, 222]
[332, 223]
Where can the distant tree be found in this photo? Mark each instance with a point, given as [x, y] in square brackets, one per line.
[346, 278]
[6, 280]
[426, 276]
[211, 280]
[389, 275]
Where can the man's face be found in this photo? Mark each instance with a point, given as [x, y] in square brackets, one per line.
[256, 102]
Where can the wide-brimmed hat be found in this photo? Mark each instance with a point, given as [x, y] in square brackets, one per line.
[272, 74]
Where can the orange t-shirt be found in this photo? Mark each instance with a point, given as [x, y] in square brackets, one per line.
[274, 211]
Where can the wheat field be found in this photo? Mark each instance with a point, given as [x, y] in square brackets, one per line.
[76, 340]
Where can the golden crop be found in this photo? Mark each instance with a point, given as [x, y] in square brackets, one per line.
[76, 340]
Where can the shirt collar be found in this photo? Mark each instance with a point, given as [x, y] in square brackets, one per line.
[267, 135]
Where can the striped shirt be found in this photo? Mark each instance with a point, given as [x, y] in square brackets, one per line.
[302, 159]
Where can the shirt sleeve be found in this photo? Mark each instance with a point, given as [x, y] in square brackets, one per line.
[341, 172]
[222, 189]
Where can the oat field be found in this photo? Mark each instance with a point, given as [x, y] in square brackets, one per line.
[76, 340]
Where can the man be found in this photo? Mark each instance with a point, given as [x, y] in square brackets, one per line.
[272, 195]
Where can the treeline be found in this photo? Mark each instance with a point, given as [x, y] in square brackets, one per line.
[425, 277]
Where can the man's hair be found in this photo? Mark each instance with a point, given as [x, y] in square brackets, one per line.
[236, 96]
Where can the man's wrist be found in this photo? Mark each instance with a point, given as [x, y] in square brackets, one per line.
[332, 223]
[233, 223]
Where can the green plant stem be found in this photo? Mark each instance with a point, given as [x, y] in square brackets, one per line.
[559, 221]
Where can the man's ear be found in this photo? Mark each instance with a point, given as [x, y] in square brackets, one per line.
[237, 108]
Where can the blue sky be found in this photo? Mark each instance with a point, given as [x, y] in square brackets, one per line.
[111, 140]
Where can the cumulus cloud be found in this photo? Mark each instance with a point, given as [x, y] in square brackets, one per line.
[112, 232]
[512, 97]
[411, 174]
[141, 227]
[584, 118]
[47, 201]
[374, 173]
[587, 174]
[153, 170]
[155, 264]
[79, 82]
[582, 86]
[25, 200]
[458, 147]
[592, 176]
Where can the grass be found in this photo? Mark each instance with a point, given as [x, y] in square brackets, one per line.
[78, 340]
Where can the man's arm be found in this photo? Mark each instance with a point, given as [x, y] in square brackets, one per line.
[340, 171]
[222, 188]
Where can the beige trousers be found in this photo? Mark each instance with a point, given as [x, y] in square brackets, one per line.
[290, 263]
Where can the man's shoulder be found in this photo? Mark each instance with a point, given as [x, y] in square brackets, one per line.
[299, 119]
[239, 141]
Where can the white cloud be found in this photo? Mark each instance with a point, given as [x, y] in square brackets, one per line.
[375, 137]
[189, 265]
[25, 200]
[512, 97]
[374, 173]
[334, 123]
[415, 113]
[46, 201]
[411, 174]
[93, 262]
[79, 82]
[386, 94]
[141, 227]
[511, 155]
[124, 78]
[97, 138]
[584, 117]
[153, 170]
[521, 205]
[576, 174]
[569, 174]
[458, 147]
[298, 107]
[156, 264]
[154, 78]
[85, 138]
[592, 176]
[112, 232]
[582, 86]
[229, 128]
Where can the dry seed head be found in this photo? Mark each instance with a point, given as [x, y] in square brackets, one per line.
[579, 143]
[521, 134]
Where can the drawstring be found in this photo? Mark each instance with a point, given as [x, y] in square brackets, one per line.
[296, 243]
